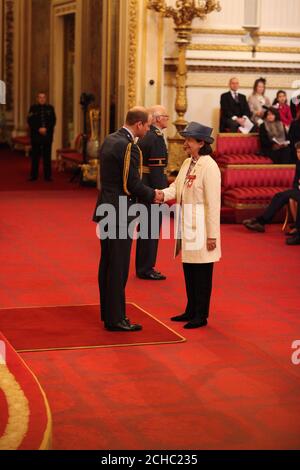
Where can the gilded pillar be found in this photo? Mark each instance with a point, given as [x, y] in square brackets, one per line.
[21, 64]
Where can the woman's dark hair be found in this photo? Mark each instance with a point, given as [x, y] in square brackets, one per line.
[206, 149]
[259, 80]
[277, 94]
[273, 111]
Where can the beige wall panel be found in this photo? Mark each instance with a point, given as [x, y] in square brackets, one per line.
[277, 15]
[40, 64]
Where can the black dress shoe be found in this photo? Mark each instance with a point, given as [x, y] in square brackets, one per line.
[295, 240]
[254, 225]
[195, 324]
[124, 325]
[291, 233]
[152, 276]
[183, 317]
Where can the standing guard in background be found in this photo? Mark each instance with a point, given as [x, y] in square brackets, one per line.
[155, 161]
[41, 120]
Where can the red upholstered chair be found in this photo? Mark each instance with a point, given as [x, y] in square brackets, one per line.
[70, 156]
[239, 149]
[251, 187]
[21, 142]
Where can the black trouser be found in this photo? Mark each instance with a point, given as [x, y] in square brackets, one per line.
[279, 201]
[198, 284]
[146, 249]
[41, 148]
[281, 156]
[112, 279]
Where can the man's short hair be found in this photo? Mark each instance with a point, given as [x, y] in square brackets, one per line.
[137, 114]
[297, 145]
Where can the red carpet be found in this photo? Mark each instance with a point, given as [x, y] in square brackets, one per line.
[25, 418]
[71, 327]
[15, 171]
[232, 385]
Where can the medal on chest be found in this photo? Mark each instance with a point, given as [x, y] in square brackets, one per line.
[190, 180]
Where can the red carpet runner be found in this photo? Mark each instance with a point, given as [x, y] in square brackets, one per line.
[77, 327]
[25, 418]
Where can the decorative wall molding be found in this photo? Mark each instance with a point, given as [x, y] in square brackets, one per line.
[66, 9]
[132, 51]
[236, 69]
[211, 79]
[241, 32]
[243, 48]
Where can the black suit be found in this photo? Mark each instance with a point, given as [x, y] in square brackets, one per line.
[282, 198]
[155, 161]
[294, 137]
[115, 248]
[230, 108]
[41, 116]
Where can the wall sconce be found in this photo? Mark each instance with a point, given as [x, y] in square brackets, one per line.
[251, 25]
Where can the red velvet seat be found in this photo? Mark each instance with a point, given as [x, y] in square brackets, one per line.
[21, 142]
[249, 189]
[70, 155]
[240, 159]
[254, 197]
[239, 149]
[257, 176]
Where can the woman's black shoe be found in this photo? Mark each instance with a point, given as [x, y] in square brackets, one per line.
[183, 317]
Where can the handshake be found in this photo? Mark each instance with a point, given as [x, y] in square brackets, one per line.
[159, 196]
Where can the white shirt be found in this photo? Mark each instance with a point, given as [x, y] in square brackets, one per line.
[129, 132]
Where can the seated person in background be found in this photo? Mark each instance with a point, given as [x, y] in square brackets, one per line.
[258, 102]
[273, 138]
[295, 106]
[234, 108]
[280, 103]
[279, 201]
[294, 136]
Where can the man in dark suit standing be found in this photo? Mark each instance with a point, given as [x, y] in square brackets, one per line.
[155, 161]
[234, 108]
[121, 185]
[41, 120]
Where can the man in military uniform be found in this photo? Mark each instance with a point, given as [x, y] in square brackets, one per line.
[41, 120]
[120, 175]
[155, 161]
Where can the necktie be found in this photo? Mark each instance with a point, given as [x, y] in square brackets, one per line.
[236, 98]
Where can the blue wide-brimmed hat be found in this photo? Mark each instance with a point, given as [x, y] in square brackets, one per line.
[198, 131]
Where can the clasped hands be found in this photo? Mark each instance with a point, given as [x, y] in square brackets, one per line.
[159, 196]
[43, 130]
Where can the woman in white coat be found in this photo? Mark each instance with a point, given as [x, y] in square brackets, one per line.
[197, 191]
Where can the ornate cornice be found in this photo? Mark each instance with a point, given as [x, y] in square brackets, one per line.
[132, 51]
[66, 9]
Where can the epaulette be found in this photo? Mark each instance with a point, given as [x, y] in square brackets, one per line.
[127, 166]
